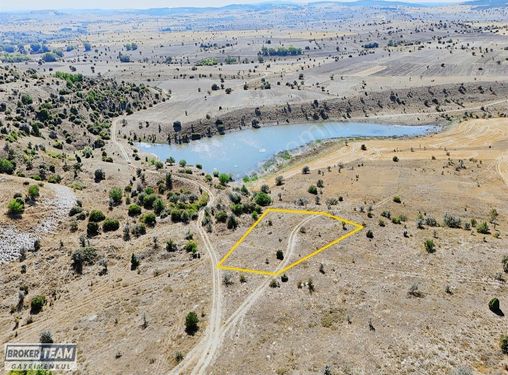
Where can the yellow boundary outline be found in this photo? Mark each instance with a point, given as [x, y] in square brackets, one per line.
[357, 228]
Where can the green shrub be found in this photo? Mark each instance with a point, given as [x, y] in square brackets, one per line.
[6, 166]
[232, 222]
[134, 262]
[221, 216]
[262, 199]
[134, 210]
[191, 247]
[191, 323]
[116, 194]
[370, 234]
[224, 178]
[37, 304]
[149, 219]
[397, 199]
[33, 191]
[483, 228]
[158, 206]
[15, 207]
[110, 225]
[312, 189]
[430, 247]
[96, 216]
[92, 229]
[494, 305]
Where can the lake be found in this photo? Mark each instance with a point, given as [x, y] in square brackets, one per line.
[242, 153]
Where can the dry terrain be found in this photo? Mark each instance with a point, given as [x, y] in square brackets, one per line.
[116, 251]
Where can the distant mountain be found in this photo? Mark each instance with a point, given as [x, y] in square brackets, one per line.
[486, 4]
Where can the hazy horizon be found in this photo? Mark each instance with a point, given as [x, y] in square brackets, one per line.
[28, 5]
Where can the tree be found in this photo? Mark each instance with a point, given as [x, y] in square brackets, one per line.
[280, 255]
[191, 323]
[305, 170]
[158, 206]
[312, 189]
[494, 306]
[279, 180]
[99, 175]
[263, 199]
[232, 223]
[182, 163]
[6, 166]
[115, 194]
[134, 262]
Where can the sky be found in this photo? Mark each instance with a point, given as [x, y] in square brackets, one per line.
[6, 5]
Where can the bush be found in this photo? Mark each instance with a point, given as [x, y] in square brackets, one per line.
[505, 263]
[110, 225]
[6, 166]
[134, 210]
[134, 262]
[280, 255]
[158, 206]
[262, 199]
[494, 305]
[92, 229]
[149, 219]
[397, 199]
[221, 216]
[370, 234]
[483, 228]
[191, 323]
[451, 221]
[37, 304]
[46, 338]
[191, 247]
[96, 216]
[33, 191]
[99, 175]
[16, 207]
[312, 189]
[224, 178]
[430, 247]
[232, 222]
[171, 246]
[116, 194]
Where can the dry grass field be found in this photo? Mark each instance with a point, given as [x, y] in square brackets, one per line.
[123, 248]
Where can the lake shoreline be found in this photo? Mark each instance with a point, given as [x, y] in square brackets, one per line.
[258, 152]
